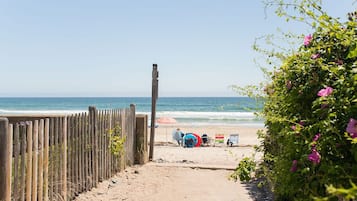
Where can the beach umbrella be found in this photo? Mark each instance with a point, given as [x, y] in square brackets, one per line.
[166, 120]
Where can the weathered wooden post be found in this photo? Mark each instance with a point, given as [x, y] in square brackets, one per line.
[133, 134]
[5, 159]
[141, 151]
[154, 96]
[93, 131]
[35, 160]
[46, 159]
[29, 161]
[64, 158]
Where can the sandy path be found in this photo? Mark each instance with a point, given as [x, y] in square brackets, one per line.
[173, 175]
[174, 184]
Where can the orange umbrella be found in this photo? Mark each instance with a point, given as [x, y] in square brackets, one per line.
[166, 120]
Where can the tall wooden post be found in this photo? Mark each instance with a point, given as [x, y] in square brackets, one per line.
[5, 160]
[154, 96]
[133, 134]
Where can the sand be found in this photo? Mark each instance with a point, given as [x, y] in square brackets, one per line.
[178, 173]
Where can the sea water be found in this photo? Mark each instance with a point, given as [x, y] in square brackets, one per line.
[186, 110]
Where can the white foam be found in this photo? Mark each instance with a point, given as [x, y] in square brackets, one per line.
[41, 111]
[207, 115]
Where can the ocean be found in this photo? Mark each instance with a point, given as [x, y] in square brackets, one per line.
[186, 110]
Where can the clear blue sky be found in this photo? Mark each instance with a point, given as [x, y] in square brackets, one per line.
[107, 47]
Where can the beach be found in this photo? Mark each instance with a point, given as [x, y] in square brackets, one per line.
[177, 173]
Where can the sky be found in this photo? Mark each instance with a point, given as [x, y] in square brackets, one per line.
[86, 48]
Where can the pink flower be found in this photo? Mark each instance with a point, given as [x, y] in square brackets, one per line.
[314, 157]
[339, 62]
[316, 137]
[315, 56]
[293, 127]
[294, 166]
[352, 128]
[325, 92]
[307, 40]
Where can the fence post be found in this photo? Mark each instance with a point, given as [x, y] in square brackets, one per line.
[93, 131]
[132, 133]
[5, 160]
[45, 159]
[154, 96]
[141, 151]
[64, 158]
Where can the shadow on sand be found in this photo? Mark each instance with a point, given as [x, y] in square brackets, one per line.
[258, 193]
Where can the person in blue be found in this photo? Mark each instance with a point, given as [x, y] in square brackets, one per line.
[177, 136]
[189, 140]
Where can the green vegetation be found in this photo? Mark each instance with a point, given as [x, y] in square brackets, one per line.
[244, 170]
[116, 142]
[310, 109]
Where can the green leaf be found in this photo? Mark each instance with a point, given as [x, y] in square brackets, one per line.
[353, 52]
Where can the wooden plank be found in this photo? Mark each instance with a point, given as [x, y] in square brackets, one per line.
[102, 146]
[141, 155]
[23, 160]
[56, 170]
[106, 158]
[105, 134]
[70, 138]
[46, 160]
[6, 132]
[123, 157]
[77, 154]
[68, 154]
[29, 161]
[120, 160]
[105, 146]
[60, 161]
[64, 158]
[71, 158]
[93, 131]
[52, 161]
[16, 154]
[100, 137]
[40, 159]
[83, 147]
[35, 161]
[108, 140]
[132, 134]
[74, 159]
[114, 158]
[88, 145]
[82, 153]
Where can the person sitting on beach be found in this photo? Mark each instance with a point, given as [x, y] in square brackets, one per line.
[177, 135]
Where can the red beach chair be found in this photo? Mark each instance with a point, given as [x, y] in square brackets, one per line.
[218, 139]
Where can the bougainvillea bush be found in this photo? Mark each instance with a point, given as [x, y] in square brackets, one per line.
[310, 146]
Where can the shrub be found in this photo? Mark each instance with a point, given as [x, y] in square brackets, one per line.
[310, 110]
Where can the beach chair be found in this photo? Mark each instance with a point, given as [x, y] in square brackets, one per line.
[205, 140]
[218, 139]
[233, 140]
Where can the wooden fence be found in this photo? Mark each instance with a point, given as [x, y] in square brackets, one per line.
[57, 158]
